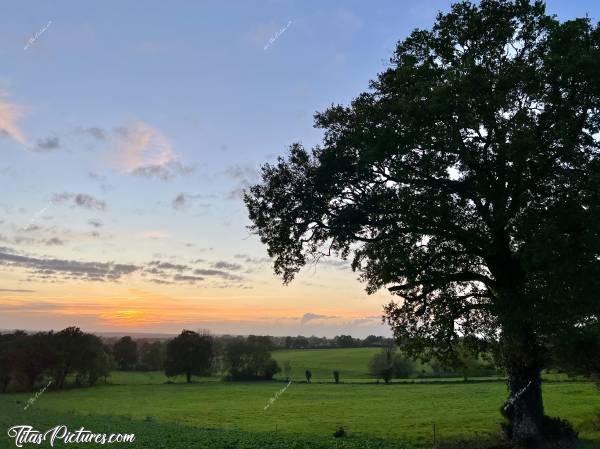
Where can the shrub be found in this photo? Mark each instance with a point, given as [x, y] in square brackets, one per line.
[249, 359]
[380, 367]
[402, 367]
[287, 369]
[339, 432]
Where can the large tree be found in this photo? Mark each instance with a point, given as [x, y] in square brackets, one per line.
[125, 353]
[466, 181]
[191, 354]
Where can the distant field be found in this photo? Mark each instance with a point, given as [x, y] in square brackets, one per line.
[353, 363]
[167, 413]
[400, 413]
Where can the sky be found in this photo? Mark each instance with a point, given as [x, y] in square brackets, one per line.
[128, 132]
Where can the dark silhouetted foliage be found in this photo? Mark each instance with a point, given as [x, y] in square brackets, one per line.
[191, 354]
[125, 353]
[466, 181]
[249, 359]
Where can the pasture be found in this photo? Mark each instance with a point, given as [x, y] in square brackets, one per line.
[210, 413]
[351, 362]
[400, 413]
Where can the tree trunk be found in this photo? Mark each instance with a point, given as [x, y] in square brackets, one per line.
[188, 375]
[524, 408]
[521, 355]
[5, 382]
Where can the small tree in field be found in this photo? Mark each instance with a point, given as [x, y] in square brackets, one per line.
[287, 369]
[336, 377]
[308, 374]
[125, 353]
[466, 181]
[381, 366]
[191, 354]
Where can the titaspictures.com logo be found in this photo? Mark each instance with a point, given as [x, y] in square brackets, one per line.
[24, 434]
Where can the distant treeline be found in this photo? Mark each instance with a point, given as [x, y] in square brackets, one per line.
[75, 358]
[339, 341]
[69, 354]
[300, 342]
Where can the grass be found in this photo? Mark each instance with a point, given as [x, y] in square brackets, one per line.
[150, 434]
[351, 362]
[400, 413]
[170, 414]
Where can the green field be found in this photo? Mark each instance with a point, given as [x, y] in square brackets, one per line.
[210, 413]
[351, 362]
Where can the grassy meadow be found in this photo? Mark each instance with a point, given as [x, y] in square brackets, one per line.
[352, 363]
[210, 413]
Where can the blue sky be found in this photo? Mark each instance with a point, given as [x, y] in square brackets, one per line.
[128, 130]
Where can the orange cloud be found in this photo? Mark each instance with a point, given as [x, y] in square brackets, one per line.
[9, 115]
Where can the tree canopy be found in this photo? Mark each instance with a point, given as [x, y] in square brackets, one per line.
[466, 181]
[191, 354]
[125, 353]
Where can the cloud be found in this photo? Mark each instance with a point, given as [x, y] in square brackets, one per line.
[187, 278]
[313, 316]
[54, 241]
[51, 268]
[245, 175]
[95, 223]
[333, 263]
[180, 202]
[164, 172]
[144, 151]
[80, 199]
[16, 290]
[184, 200]
[96, 177]
[48, 144]
[168, 273]
[169, 266]
[227, 265]
[154, 235]
[241, 171]
[253, 260]
[218, 273]
[9, 116]
[96, 133]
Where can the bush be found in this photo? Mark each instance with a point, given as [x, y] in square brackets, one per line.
[308, 374]
[402, 367]
[380, 366]
[249, 359]
[339, 432]
[336, 377]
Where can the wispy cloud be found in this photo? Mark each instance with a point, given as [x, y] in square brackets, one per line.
[48, 144]
[95, 132]
[314, 316]
[245, 175]
[95, 223]
[184, 200]
[16, 290]
[79, 199]
[10, 114]
[227, 265]
[153, 235]
[218, 273]
[62, 269]
[144, 151]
